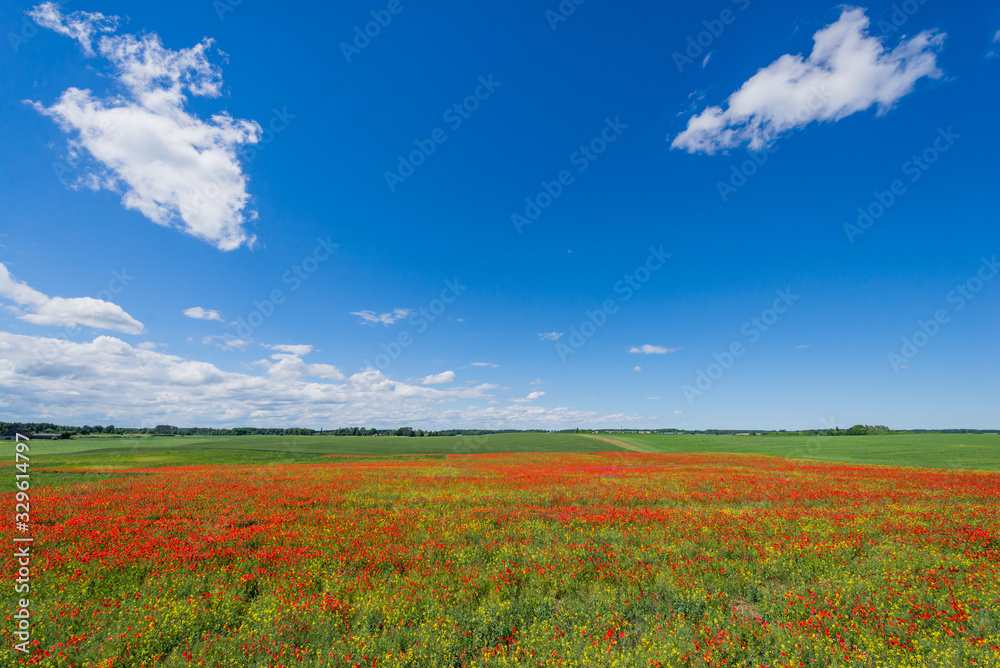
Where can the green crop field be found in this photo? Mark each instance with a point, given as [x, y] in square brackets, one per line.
[957, 451]
[146, 452]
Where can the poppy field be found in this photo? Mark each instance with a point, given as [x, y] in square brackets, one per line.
[551, 559]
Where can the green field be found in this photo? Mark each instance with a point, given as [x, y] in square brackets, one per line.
[145, 452]
[958, 451]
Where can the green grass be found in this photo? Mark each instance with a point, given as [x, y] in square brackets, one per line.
[61, 478]
[956, 451]
[960, 451]
[100, 454]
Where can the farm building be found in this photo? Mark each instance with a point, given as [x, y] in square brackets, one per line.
[22, 435]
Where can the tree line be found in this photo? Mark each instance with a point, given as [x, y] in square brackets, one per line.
[170, 430]
[69, 431]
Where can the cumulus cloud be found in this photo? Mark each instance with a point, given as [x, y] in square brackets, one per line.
[81, 26]
[637, 368]
[199, 313]
[40, 309]
[373, 318]
[227, 342]
[848, 71]
[537, 394]
[486, 364]
[288, 364]
[549, 336]
[647, 349]
[297, 349]
[108, 379]
[171, 166]
[438, 379]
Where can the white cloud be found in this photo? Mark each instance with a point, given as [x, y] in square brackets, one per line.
[647, 349]
[171, 166]
[200, 313]
[537, 381]
[637, 368]
[438, 379]
[537, 394]
[288, 364]
[848, 71]
[486, 364]
[372, 318]
[226, 341]
[108, 380]
[81, 26]
[297, 349]
[678, 412]
[150, 345]
[549, 336]
[40, 309]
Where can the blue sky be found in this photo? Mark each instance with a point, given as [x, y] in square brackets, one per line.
[724, 214]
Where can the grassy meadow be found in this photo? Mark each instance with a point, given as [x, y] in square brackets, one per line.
[952, 451]
[574, 559]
